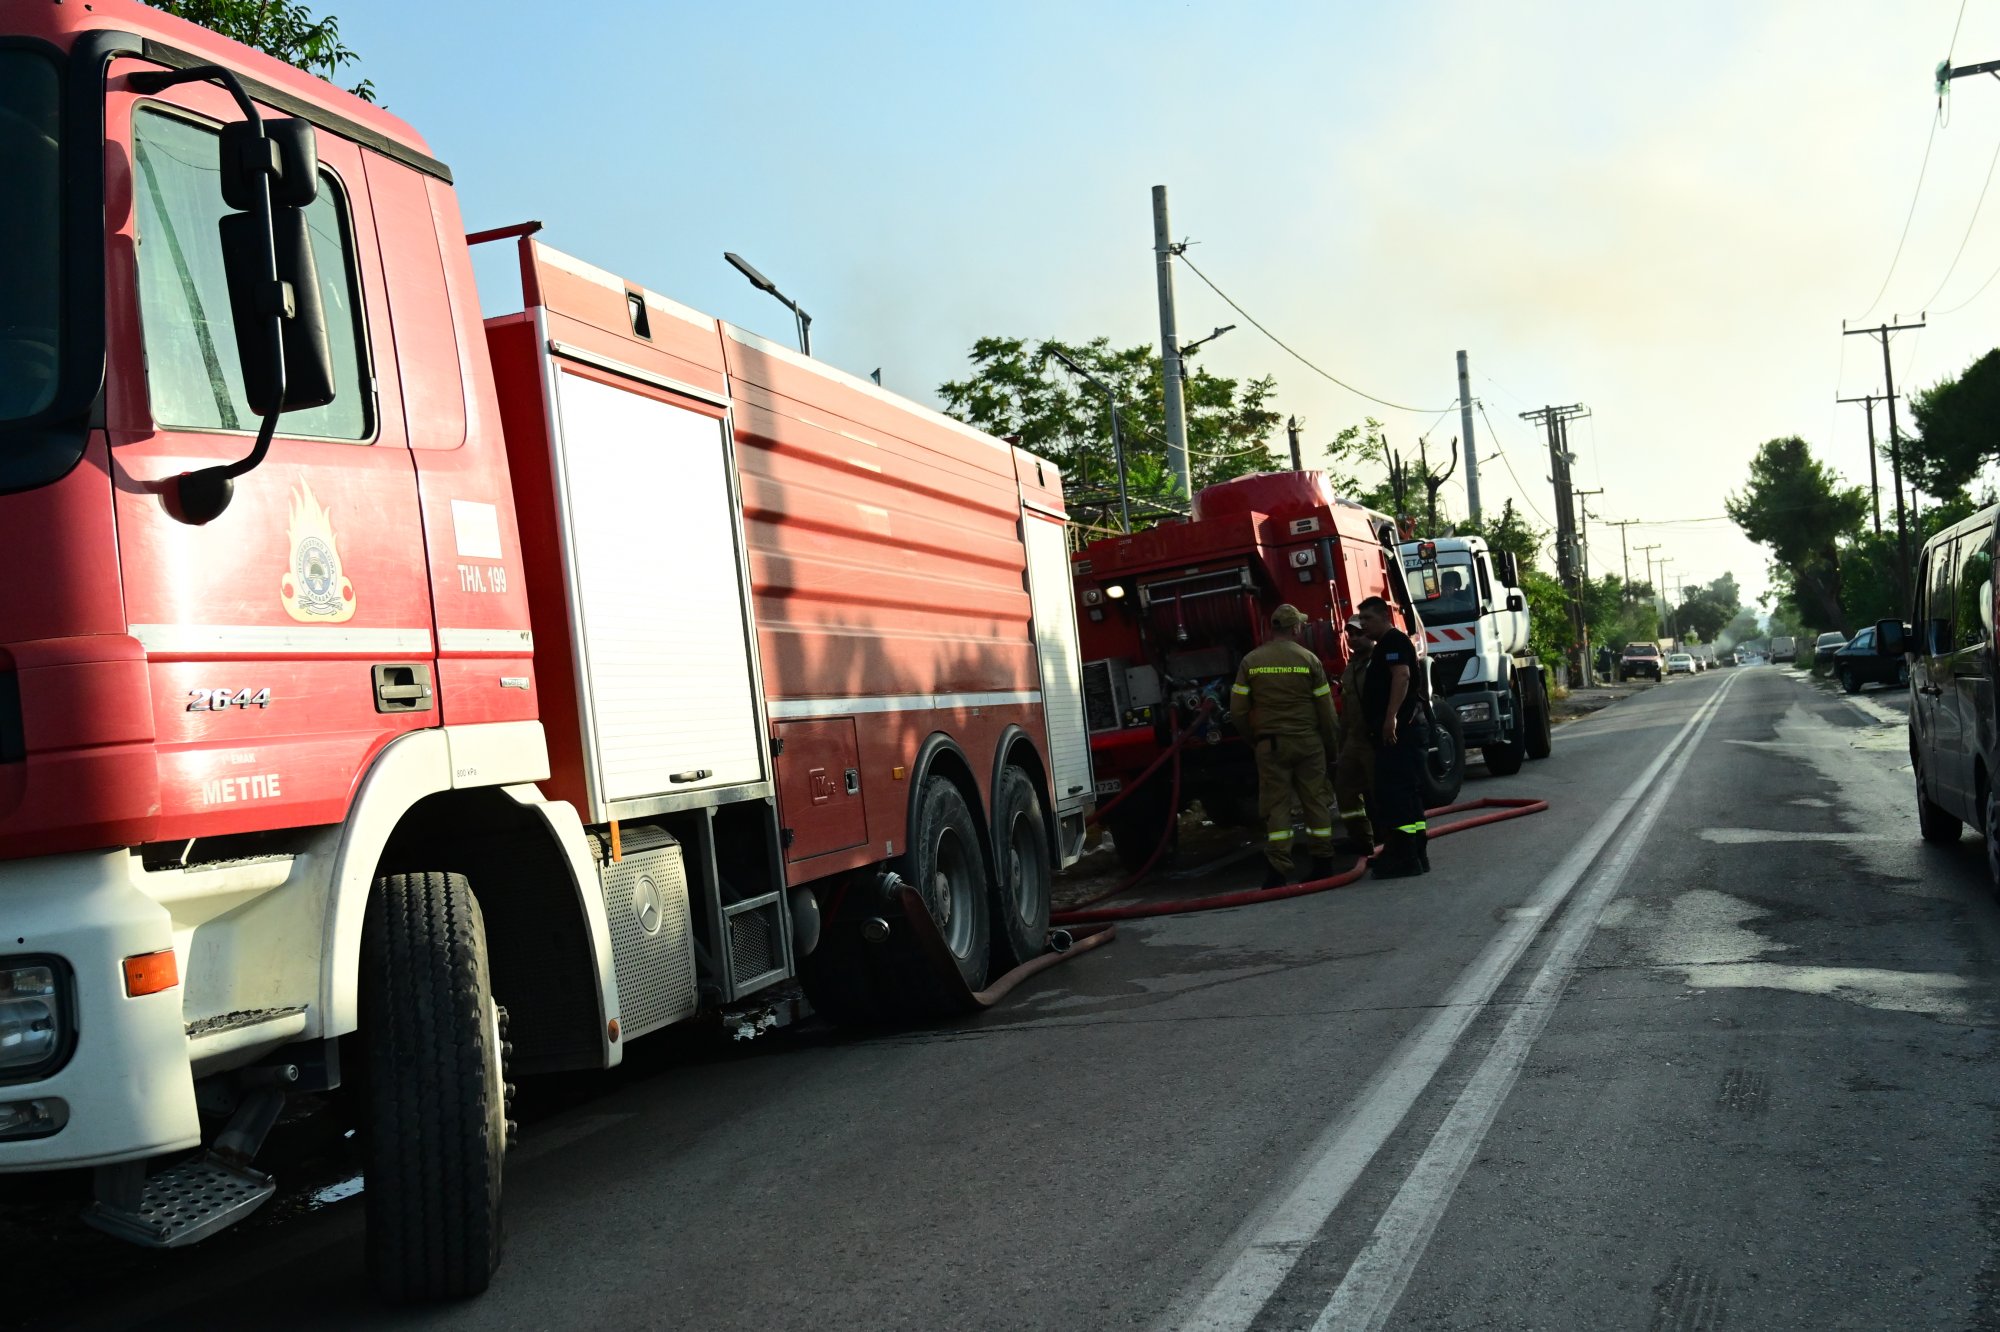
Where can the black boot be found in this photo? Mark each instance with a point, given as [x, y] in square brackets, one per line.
[1353, 846]
[1322, 867]
[1275, 877]
[1397, 860]
[1421, 844]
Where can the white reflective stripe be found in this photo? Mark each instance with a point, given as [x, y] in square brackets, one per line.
[794, 709]
[486, 640]
[190, 640]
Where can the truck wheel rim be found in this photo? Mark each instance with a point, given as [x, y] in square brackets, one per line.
[951, 892]
[1023, 874]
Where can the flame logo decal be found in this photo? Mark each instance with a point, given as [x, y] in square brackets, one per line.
[313, 589]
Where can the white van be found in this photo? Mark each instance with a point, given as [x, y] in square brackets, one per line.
[1784, 648]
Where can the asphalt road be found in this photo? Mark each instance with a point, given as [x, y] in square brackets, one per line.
[1708, 1044]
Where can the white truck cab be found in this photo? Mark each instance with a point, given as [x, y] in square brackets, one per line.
[1476, 630]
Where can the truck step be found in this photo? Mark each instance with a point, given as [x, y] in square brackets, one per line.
[185, 1203]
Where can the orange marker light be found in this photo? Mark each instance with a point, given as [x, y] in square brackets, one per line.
[150, 973]
[899, 772]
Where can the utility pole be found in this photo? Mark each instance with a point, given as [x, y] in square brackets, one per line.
[1164, 251]
[1568, 565]
[1583, 528]
[1874, 481]
[1465, 429]
[1292, 433]
[1881, 334]
[1653, 588]
[1625, 556]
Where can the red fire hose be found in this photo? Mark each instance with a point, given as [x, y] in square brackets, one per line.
[1088, 911]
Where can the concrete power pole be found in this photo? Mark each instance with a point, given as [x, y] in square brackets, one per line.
[1170, 347]
[1465, 430]
[1292, 433]
[1583, 529]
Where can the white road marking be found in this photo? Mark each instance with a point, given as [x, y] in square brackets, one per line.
[1235, 1288]
[1375, 1280]
[1750, 836]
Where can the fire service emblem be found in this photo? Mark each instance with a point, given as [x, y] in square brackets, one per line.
[313, 589]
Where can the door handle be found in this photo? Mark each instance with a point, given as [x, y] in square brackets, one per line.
[1933, 690]
[403, 688]
[691, 775]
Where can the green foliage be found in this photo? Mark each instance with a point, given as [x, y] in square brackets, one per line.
[1705, 610]
[1018, 388]
[1509, 532]
[1548, 617]
[281, 28]
[1958, 425]
[1801, 509]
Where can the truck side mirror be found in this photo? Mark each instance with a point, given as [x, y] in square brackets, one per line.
[286, 152]
[1509, 570]
[1516, 602]
[1892, 638]
[298, 371]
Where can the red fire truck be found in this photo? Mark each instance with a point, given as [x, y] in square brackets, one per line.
[391, 701]
[1168, 613]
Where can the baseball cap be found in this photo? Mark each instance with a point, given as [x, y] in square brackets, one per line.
[1287, 616]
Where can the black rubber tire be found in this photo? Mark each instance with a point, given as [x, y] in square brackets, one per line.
[1990, 806]
[1024, 878]
[1848, 681]
[1444, 761]
[1933, 823]
[1537, 730]
[1137, 824]
[437, 1097]
[946, 864]
[1504, 760]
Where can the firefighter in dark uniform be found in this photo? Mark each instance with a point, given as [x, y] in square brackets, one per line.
[1283, 703]
[1390, 698]
[1354, 765]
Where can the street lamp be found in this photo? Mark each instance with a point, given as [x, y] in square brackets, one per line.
[764, 284]
[1188, 347]
[1117, 445]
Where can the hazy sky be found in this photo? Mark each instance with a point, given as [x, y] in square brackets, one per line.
[1663, 211]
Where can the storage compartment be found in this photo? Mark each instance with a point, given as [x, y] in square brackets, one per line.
[659, 616]
[1105, 693]
[819, 787]
[1052, 592]
[652, 937]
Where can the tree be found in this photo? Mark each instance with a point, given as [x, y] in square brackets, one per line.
[282, 28]
[1510, 532]
[1018, 387]
[1706, 609]
[1800, 508]
[1958, 429]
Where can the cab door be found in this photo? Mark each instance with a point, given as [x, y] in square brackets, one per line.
[1968, 688]
[289, 640]
[1934, 726]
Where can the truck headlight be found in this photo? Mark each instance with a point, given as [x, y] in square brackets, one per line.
[33, 1021]
[1475, 711]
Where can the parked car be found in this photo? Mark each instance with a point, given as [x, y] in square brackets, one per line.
[1857, 664]
[1950, 655]
[1680, 663]
[1639, 659]
[1825, 646]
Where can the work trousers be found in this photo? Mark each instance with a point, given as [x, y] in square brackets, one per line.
[1399, 796]
[1292, 768]
[1354, 788]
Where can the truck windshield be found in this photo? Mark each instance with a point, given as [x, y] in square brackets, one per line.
[30, 232]
[1458, 594]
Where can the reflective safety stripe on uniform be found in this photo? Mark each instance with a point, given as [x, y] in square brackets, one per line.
[1284, 836]
[1280, 670]
[1320, 832]
[1239, 689]
[1417, 827]
[1322, 691]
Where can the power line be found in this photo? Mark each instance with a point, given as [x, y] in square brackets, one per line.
[1494, 435]
[1299, 356]
[1969, 223]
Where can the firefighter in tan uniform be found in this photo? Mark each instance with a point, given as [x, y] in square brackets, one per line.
[1283, 703]
[1354, 766]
